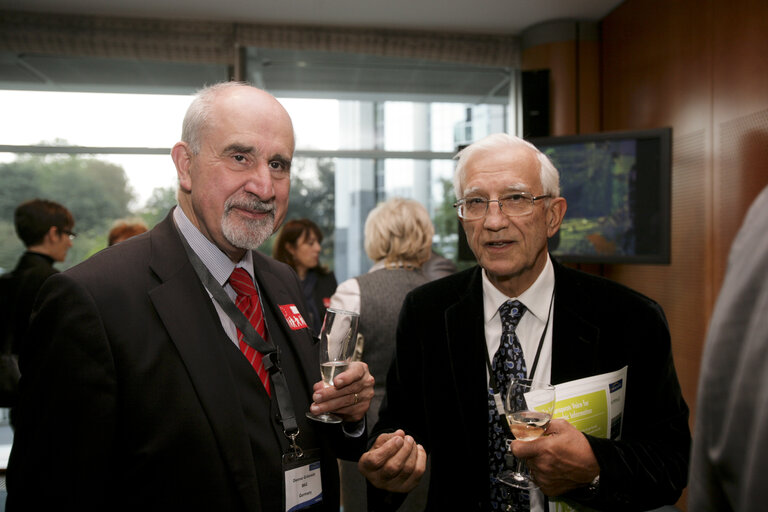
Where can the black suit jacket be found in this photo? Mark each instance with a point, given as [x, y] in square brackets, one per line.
[324, 287]
[134, 398]
[437, 388]
[19, 290]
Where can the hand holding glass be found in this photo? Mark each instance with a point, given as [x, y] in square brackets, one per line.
[337, 344]
[529, 407]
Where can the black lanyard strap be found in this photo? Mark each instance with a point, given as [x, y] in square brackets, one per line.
[492, 378]
[270, 354]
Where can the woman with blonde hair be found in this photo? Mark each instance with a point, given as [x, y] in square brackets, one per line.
[398, 239]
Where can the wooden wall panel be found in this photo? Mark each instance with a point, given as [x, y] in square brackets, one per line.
[656, 71]
[571, 52]
[741, 172]
[589, 89]
[740, 92]
[656, 67]
[701, 68]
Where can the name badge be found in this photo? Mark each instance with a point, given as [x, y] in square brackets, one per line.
[293, 317]
[499, 404]
[303, 485]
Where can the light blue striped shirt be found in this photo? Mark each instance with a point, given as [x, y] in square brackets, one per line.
[218, 264]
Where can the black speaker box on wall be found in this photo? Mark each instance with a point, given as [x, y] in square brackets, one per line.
[535, 92]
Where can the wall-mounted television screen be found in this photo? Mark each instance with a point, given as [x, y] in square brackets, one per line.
[617, 185]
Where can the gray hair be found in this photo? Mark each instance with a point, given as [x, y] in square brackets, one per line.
[548, 174]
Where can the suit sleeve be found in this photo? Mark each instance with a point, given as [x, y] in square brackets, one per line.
[346, 446]
[648, 467]
[64, 439]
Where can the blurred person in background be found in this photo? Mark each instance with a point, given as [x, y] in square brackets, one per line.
[299, 245]
[437, 266]
[398, 238]
[46, 229]
[730, 442]
[123, 229]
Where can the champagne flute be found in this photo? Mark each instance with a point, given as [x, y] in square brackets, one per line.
[337, 344]
[529, 406]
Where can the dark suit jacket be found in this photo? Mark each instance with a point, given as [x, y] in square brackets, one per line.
[437, 388]
[324, 287]
[134, 398]
[23, 283]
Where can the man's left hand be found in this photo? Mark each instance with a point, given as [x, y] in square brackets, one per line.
[561, 460]
[349, 397]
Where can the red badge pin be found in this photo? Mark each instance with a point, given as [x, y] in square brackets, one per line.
[293, 317]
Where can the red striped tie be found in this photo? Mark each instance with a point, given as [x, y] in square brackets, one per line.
[248, 302]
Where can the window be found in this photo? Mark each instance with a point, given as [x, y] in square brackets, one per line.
[372, 150]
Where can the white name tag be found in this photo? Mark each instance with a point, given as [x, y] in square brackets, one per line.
[499, 404]
[303, 486]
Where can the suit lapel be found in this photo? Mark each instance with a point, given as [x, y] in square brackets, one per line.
[465, 333]
[575, 340]
[193, 326]
[276, 290]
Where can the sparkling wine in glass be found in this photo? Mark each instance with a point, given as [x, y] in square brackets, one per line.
[529, 406]
[337, 344]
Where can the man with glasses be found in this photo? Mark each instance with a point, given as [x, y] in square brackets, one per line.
[553, 324]
[45, 228]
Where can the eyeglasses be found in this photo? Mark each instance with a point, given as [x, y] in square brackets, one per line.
[513, 205]
[71, 234]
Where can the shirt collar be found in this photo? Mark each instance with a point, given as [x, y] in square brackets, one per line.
[377, 266]
[536, 298]
[383, 264]
[218, 263]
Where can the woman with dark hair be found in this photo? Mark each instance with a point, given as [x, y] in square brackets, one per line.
[298, 245]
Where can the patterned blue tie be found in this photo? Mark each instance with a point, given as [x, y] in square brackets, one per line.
[508, 362]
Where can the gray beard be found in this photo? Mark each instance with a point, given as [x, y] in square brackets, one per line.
[247, 233]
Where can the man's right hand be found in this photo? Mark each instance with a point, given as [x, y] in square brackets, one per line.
[395, 463]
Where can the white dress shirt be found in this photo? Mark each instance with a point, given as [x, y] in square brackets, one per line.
[538, 303]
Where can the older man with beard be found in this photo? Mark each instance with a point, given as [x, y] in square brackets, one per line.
[174, 370]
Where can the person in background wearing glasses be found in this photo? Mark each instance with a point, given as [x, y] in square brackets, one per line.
[570, 325]
[45, 227]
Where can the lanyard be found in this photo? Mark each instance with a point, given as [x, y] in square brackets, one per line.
[270, 354]
[492, 378]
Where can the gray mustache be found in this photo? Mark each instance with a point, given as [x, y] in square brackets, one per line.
[249, 204]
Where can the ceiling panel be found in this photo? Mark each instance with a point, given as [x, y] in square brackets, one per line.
[478, 16]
